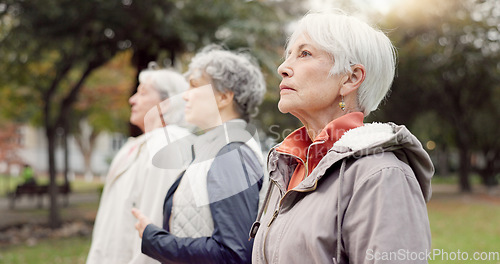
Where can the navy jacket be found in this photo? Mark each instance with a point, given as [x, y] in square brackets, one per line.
[232, 216]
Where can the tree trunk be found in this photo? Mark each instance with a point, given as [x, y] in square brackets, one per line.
[488, 174]
[464, 169]
[85, 140]
[66, 154]
[54, 216]
[442, 162]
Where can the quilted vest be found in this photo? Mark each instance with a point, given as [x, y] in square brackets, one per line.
[191, 215]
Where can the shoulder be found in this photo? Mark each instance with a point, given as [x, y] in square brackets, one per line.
[240, 148]
[380, 167]
[236, 155]
[235, 169]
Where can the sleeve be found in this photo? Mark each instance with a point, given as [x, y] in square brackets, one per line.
[386, 220]
[235, 167]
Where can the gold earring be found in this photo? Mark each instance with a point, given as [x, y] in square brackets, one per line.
[342, 104]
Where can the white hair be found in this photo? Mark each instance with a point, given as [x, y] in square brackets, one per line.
[168, 83]
[351, 41]
[235, 72]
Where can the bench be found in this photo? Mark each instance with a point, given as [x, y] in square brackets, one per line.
[34, 190]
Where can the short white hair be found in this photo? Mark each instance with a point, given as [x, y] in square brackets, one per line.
[351, 41]
[168, 83]
[237, 72]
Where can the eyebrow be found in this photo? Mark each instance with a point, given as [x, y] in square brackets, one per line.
[301, 46]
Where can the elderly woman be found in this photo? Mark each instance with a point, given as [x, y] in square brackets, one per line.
[211, 207]
[342, 191]
[132, 180]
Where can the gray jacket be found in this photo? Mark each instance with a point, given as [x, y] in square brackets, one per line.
[369, 192]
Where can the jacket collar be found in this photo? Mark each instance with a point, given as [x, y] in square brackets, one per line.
[298, 142]
[365, 140]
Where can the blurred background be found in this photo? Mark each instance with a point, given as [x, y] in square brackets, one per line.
[67, 69]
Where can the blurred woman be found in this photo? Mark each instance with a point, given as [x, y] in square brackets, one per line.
[132, 180]
[342, 191]
[209, 210]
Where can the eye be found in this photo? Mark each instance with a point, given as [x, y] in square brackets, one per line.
[193, 84]
[304, 53]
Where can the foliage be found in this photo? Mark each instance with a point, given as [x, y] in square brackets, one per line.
[52, 48]
[9, 143]
[49, 49]
[448, 65]
[104, 98]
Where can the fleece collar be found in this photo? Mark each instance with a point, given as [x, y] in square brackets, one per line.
[298, 142]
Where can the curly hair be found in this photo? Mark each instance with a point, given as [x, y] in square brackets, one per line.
[232, 71]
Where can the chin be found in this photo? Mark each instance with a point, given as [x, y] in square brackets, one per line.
[283, 107]
[191, 121]
[133, 121]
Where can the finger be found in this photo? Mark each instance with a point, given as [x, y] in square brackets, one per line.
[137, 214]
[138, 228]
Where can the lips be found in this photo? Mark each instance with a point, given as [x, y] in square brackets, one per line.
[285, 88]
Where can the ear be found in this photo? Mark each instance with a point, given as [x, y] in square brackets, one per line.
[224, 99]
[352, 81]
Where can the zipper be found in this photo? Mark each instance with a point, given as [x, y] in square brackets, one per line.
[307, 157]
[275, 215]
[276, 212]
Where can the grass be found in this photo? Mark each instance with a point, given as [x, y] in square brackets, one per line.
[68, 250]
[475, 179]
[465, 223]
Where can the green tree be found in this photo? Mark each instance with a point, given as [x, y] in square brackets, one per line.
[103, 105]
[49, 48]
[448, 64]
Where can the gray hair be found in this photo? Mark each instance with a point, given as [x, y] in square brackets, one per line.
[351, 41]
[168, 83]
[235, 72]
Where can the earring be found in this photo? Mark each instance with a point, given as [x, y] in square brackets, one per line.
[342, 104]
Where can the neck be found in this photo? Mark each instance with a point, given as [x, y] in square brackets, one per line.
[314, 124]
[227, 114]
[314, 127]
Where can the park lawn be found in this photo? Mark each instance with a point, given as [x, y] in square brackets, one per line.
[466, 223]
[458, 222]
[55, 251]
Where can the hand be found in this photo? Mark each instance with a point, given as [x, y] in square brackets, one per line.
[143, 221]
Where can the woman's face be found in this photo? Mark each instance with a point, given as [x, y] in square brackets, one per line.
[306, 88]
[201, 103]
[141, 102]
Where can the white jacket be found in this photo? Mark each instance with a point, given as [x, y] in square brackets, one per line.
[132, 181]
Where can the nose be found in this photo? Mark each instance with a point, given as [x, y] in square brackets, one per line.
[132, 99]
[285, 70]
[185, 95]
